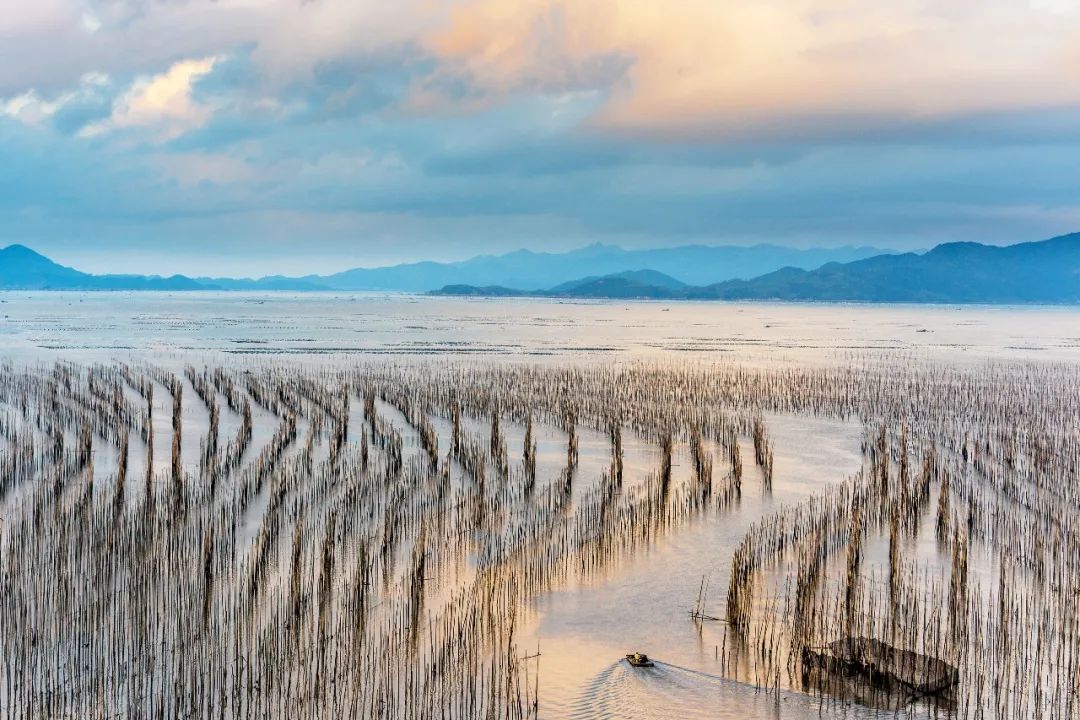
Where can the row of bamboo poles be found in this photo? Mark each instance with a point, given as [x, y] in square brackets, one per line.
[365, 541]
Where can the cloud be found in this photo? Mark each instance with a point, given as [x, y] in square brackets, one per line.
[730, 67]
[1062, 7]
[19, 18]
[90, 22]
[160, 104]
[525, 47]
[30, 108]
[722, 68]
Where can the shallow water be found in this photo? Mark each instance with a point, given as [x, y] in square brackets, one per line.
[175, 325]
[620, 692]
[642, 603]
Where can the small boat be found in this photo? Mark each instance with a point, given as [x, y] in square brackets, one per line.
[640, 660]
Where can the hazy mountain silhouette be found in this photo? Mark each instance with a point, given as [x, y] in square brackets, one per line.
[528, 270]
[524, 269]
[1034, 272]
[23, 269]
[628, 279]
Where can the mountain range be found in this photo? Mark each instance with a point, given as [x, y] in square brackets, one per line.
[1034, 272]
[23, 268]
[529, 270]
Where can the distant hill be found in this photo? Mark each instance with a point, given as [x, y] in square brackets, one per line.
[634, 284]
[23, 269]
[1035, 272]
[616, 286]
[488, 291]
[1045, 272]
[528, 270]
[649, 278]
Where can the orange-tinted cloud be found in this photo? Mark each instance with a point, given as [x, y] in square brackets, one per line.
[722, 65]
[161, 103]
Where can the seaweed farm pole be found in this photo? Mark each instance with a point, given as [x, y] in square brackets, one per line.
[148, 496]
[617, 450]
[121, 469]
[529, 456]
[177, 391]
[854, 569]
[944, 512]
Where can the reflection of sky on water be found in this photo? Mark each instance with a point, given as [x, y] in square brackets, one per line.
[617, 691]
[642, 605]
[171, 324]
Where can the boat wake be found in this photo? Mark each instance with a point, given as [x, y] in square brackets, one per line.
[672, 692]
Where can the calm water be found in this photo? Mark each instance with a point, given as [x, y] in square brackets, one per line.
[582, 632]
[643, 605]
[212, 324]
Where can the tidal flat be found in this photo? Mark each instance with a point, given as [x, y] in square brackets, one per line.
[226, 505]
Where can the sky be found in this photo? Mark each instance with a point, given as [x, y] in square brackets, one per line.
[248, 137]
